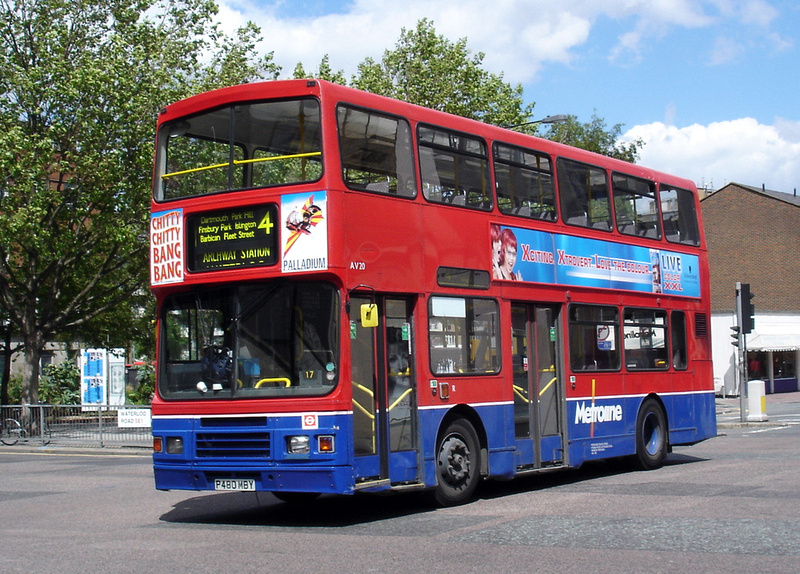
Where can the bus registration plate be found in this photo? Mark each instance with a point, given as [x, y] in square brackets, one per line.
[234, 484]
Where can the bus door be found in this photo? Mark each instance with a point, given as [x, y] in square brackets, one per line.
[538, 386]
[384, 401]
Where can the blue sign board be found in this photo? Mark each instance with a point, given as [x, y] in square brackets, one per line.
[541, 257]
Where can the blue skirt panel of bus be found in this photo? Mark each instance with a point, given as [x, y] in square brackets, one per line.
[595, 429]
[605, 427]
[495, 422]
[253, 448]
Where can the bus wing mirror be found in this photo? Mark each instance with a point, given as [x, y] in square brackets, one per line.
[369, 315]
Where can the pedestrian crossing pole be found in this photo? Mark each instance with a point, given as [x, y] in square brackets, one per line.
[744, 325]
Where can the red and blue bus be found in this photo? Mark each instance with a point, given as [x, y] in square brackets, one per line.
[360, 294]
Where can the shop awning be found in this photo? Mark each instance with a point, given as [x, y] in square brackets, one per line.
[774, 338]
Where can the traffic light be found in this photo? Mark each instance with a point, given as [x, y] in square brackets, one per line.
[735, 335]
[748, 319]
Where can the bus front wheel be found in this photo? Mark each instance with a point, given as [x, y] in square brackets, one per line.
[651, 435]
[457, 464]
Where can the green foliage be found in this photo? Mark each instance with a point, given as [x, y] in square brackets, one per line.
[429, 70]
[145, 386]
[324, 72]
[14, 391]
[594, 136]
[60, 384]
[81, 84]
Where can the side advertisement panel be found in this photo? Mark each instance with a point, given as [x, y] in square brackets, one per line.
[541, 257]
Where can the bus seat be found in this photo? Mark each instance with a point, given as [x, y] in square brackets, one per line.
[379, 186]
[579, 218]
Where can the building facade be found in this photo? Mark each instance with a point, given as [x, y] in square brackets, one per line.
[753, 235]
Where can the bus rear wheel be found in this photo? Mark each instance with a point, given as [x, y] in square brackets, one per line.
[457, 464]
[651, 436]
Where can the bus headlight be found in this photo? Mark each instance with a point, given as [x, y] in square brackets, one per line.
[174, 445]
[297, 444]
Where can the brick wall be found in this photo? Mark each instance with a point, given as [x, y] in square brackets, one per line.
[753, 238]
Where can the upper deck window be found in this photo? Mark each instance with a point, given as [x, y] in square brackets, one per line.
[636, 206]
[584, 195]
[376, 152]
[680, 215]
[239, 147]
[454, 168]
[524, 183]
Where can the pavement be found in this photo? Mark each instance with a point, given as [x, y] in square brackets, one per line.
[782, 409]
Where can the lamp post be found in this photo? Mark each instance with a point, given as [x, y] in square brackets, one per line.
[556, 119]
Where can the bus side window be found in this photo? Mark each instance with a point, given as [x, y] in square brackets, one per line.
[524, 183]
[679, 214]
[678, 331]
[644, 333]
[584, 195]
[454, 168]
[594, 338]
[376, 152]
[463, 334]
[636, 206]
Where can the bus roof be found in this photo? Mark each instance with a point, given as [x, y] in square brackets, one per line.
[328, 90]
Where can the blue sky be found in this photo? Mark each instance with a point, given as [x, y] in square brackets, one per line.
[710, 86]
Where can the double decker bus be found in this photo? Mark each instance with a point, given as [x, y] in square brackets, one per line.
[360, 294]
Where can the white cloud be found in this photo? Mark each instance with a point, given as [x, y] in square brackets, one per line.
[758, 13]
[519, 37]
[740, 150]
[725, 50]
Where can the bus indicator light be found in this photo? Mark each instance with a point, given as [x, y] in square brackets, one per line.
[325, 443]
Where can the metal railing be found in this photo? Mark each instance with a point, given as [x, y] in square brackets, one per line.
[76, 425]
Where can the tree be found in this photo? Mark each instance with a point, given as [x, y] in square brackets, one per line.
[81, 84]
[429, 70]
[324, 72]
[594, 136]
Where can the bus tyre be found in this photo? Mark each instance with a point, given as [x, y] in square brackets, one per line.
[457, 464]
[651, 435]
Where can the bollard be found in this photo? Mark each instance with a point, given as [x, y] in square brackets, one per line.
[757, 402]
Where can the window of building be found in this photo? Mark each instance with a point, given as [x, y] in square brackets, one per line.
[584, 195]
[454, 168]
[524, 182]
[463, 335]
[594, 338]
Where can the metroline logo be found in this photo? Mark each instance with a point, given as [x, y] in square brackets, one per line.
[588, 414]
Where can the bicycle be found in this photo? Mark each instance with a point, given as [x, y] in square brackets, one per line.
[12, 432]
